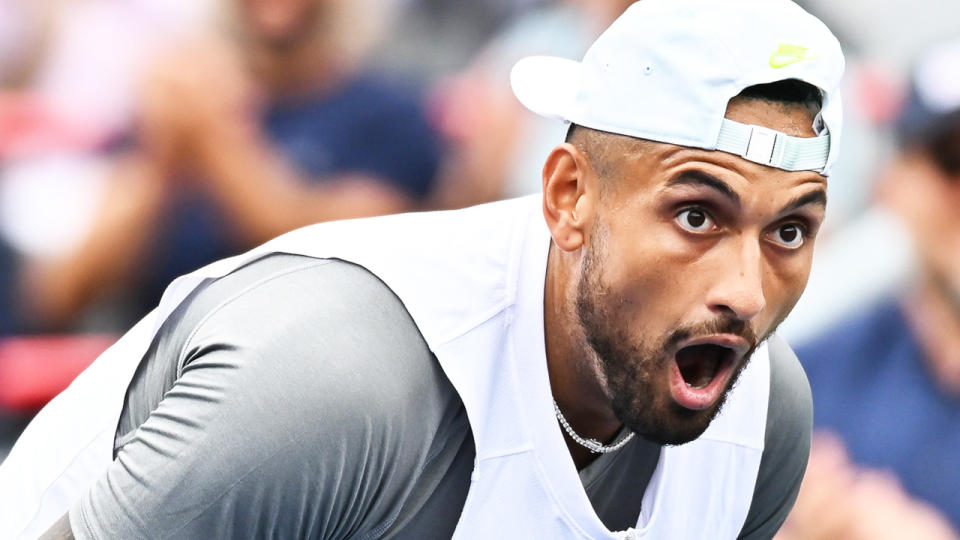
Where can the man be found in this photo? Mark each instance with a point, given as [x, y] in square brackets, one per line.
[887, 380]
[548, 367]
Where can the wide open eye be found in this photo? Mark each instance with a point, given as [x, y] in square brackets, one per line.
[788, 235]
[695, 220]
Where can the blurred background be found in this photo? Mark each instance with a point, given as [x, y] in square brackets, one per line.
[140, 139]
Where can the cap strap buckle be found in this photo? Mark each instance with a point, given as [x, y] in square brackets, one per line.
[762, 146]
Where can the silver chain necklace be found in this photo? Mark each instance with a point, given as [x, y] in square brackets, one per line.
[592, 445]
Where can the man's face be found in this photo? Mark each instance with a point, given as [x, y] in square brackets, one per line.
[694, 258]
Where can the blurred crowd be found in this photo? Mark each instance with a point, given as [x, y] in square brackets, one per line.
[141, 139]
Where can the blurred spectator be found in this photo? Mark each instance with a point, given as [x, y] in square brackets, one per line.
[842, 501]
[497, 147]
[241, 136]
[66, 88]
[84, 58]
[887, 381]
[8, 272]
[863, 252]
[462, 26]
[893, 32]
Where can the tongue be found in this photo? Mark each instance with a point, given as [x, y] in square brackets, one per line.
[698, 364]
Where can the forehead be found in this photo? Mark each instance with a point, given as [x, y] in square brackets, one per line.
[648, 163]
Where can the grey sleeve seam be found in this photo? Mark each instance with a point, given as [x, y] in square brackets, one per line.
[266, 279]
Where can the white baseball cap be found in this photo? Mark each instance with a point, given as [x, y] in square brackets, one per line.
[666, 69]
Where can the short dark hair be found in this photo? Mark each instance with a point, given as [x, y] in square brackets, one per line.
[786, 92]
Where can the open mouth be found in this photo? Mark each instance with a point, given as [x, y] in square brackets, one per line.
[699, 364]
[700, 375]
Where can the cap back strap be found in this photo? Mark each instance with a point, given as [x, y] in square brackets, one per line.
[769, 147]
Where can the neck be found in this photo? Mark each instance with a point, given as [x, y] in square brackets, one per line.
[933, 310]
[575, 377]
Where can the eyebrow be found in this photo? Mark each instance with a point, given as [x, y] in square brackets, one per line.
[700, 178]
[818, 197]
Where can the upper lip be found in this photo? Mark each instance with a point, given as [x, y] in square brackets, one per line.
[739, 345]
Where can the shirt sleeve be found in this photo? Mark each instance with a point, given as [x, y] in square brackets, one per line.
[305, 405]
[786, 446]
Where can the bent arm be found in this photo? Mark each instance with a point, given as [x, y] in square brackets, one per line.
[298, 411]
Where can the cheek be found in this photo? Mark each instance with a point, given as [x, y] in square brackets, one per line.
[651, 277]
[784, 283]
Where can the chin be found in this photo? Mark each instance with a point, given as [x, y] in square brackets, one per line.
[667, 424]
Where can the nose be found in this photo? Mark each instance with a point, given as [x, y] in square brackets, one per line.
[736, 290]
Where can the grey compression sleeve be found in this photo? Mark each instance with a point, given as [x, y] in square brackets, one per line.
[305, 405]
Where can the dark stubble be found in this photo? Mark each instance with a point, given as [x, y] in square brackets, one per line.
[636, 371]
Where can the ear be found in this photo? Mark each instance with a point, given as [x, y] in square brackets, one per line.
[569, 197]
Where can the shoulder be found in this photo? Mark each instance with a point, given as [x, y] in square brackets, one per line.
[299, 381]
[285, 319]
[303, 336]
[302, 309]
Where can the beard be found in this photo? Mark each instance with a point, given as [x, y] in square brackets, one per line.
[636, 371]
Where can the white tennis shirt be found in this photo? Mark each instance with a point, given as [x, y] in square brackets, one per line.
[473, 281]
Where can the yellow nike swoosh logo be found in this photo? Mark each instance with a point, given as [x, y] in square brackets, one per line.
[777, 61]
[787, 54]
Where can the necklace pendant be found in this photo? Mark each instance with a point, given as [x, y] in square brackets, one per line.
[593, 445]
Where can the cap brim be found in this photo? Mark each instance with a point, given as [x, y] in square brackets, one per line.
[547, 85]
